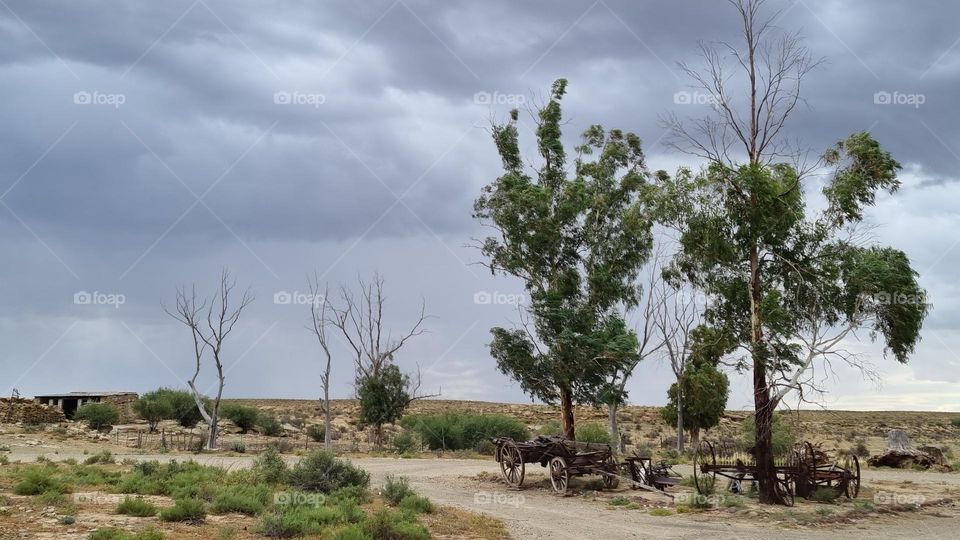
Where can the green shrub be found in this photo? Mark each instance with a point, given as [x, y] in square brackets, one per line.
[184, 510]
[321, 471]
[955, 421]
[153, 410]
[137, 507]
[396, 489]
[317, 432]
[406, 441]
[269, 425]
[619, 500]
[860, 449]
[593, 432]
[387, 525]
[238, 446]
[783, 435]
[243, 499]
[824, 495]
[352, 532]
[552, 427]
[97, 415]
[67, 520]
[459, 431]
[104, 457]
[37, 480]
[113, 533]
[271, 466]
[301, 520]
[244, 417]
[357, 494]
[417, 504]
[661, 512]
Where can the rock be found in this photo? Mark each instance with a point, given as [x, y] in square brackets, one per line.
[902, 459]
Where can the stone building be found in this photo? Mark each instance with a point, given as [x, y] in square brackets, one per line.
[69, 402]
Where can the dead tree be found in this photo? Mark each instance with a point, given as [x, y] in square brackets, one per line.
[320, 319]
[676, 316]
[221, 316]
[360, 322]
[649, 342]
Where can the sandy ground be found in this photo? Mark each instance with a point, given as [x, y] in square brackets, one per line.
[537, 513]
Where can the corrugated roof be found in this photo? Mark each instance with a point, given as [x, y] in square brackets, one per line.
[84, 394]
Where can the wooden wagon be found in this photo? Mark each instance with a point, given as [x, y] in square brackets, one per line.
[645, 472]
[800, 472]
[564, 457]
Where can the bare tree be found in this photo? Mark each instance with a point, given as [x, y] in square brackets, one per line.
[360, 321]
[320, 319]
[221, 317]
[676, 316]
[649, 342]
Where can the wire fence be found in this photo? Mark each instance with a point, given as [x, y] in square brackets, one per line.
[194, 441]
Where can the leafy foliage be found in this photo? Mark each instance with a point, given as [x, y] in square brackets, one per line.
[578, 244]
[186, 509]
[244, 417]
[181, 404]
[97, 415]
[153, 410]
[594, 432]
[321, 471]
[459, 431]
[137, 507]
[383, 396]
[783, 435]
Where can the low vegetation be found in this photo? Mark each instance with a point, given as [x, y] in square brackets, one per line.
[137, 507]
[97, 415]
[462, 431]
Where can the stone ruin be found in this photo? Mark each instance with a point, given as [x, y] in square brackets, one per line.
[15, 410]
[901, 454]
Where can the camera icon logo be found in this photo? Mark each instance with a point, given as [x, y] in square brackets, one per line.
[482, 298]
[882, 98]
[282, 298]
[82, 98]
[281, 98]
[82, 298]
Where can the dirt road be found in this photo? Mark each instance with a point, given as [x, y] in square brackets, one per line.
[537, 513]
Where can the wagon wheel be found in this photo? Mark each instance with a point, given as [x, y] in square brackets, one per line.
[852, 465]
[785, 489]
[559, 475]
[704, 468]
[511, 464]
[611, 474]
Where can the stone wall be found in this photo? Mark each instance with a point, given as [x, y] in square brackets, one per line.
[124, 404]
[19, 410]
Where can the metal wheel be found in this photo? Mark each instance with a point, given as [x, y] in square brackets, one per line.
[511, 464]
[611, 476]
[704, 468]
[852, 465]
[559, 475]
[785, 488]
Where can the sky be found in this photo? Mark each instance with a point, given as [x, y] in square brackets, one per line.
[145, 146]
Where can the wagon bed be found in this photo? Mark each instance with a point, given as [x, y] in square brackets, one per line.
[564, 457]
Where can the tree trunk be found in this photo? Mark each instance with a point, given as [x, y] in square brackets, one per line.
[694, 437]
[679, 419]
[566, 413]
[327, 440]
[763, 414]
[615, 428]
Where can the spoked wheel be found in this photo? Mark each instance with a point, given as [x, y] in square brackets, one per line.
[785, 489]
[704, 468]
[852, 465]
[511, 464]
[611, 473]
[559, 475]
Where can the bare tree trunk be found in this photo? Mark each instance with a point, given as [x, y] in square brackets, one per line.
[694, 437]
[679, 418]
[566, 413]
[327, 427]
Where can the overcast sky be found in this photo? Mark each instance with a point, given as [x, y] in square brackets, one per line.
[146, 145]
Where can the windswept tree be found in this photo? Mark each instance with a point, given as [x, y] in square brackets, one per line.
[787, 285]
[577, 242]
[320, 323]
[210, 322]
[675, 317]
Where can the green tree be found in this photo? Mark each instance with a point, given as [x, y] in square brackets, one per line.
[383, 398]
[242, 416]
[97, 415]
[577, 243]
[153, 410]
[704, 390]
[181, 405]
[787, 284]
